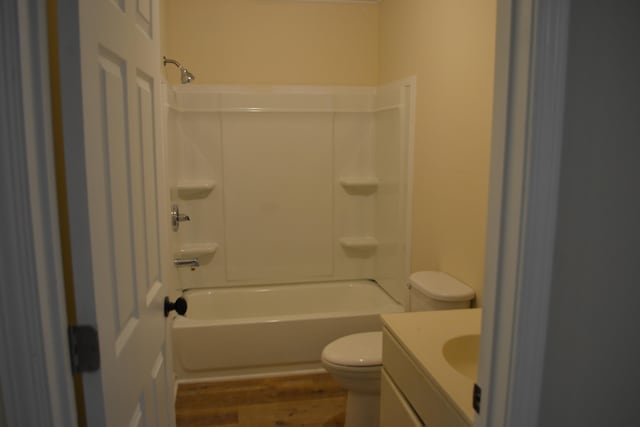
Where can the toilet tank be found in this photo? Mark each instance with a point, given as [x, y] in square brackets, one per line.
[434, 290]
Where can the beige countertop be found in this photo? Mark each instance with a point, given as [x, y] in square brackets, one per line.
[423, 336]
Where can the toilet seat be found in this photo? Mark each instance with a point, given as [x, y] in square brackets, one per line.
[357, 350]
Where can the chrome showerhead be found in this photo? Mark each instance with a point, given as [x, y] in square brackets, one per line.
[185, 75]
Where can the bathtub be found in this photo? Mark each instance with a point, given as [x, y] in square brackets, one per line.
[279, 328]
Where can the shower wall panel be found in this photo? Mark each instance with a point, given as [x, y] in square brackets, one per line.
[393, 124]
[354, 157]
[278, 195]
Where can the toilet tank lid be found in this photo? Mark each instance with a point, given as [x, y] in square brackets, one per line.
[363, 349]
[440, 286]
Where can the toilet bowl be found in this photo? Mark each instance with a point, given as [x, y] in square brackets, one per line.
[355, 361]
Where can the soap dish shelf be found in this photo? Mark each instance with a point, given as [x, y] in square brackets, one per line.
[196, 250]
[363, 243]
[195, 189]
[359, 185]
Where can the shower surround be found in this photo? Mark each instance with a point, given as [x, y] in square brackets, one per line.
[291, 185]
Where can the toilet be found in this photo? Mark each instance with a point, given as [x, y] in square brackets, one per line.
[355, 361]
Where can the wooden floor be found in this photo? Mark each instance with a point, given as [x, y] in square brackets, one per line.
[303, 400]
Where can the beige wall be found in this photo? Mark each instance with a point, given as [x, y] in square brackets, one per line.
[273, 41]
[164, 25]
[449, 46]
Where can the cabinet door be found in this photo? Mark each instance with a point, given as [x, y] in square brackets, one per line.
[395, 411]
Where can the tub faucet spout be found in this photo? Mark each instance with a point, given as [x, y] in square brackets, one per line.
[180, 262]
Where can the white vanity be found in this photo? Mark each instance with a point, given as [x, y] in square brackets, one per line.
[430, 364]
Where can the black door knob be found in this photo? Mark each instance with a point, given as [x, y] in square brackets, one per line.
[180, 306]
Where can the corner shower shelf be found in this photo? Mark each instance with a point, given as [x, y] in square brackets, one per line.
[359, 243]
[359, 185]
[195, 250]
[195, 189]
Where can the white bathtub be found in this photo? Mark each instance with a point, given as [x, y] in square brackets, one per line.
[256, 330]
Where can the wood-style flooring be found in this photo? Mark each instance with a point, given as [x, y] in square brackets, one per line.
[303, 400]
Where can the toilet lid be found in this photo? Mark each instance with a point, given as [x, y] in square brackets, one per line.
[440, 286]
[363, 349]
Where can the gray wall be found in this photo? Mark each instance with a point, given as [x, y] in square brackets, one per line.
[592, 360]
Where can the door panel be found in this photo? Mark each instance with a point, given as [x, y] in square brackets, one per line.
[149, 221]
[157, 415]
[120, 67]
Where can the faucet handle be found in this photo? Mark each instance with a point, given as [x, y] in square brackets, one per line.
[177, 217]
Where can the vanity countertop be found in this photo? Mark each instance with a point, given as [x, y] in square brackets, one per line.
[424, 335]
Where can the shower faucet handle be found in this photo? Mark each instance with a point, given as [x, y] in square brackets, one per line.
[177, 217]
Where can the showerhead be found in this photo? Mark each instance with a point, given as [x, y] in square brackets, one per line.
[185, 75]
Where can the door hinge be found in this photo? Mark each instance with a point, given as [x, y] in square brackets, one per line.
[84, 349]
[477, 394]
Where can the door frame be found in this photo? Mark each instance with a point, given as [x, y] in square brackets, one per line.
[531, 56]
[528, 105]
[35, 372]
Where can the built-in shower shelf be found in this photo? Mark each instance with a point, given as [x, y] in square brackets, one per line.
[359, 243]
[359, 185]
[195, 189]
[196, 250]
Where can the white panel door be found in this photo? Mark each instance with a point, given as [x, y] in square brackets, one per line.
[114, 221]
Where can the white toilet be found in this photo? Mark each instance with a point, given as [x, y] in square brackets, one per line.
[355, 361]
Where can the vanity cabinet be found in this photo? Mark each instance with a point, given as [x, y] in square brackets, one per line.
[410, 395]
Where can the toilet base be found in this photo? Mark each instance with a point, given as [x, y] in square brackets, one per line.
[363, 409]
